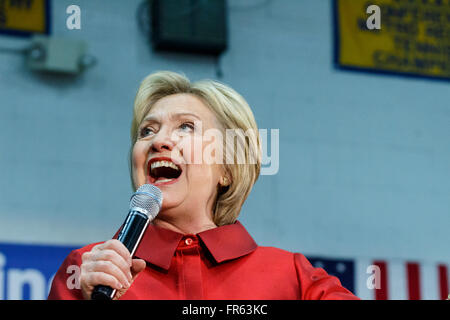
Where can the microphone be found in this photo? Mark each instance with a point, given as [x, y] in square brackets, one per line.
[145, 205]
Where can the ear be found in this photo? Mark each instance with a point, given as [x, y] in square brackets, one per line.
[224, 181]
[224, 185]
[223, 175]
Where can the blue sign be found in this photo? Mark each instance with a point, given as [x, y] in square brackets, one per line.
[26, 271]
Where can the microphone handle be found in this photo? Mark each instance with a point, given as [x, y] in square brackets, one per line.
[130, 235]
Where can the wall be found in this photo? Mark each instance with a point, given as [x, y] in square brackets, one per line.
[364, 159]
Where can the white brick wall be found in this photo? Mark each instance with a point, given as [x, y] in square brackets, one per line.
[364, 159]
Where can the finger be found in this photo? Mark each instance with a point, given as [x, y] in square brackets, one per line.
[137, 266]
[109, 268]
[117, 246]
[115, 258]
[87, 256]
[94, 279]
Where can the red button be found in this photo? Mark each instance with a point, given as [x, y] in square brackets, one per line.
[188, 241]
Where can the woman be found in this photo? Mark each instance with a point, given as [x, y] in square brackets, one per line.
[195, 248]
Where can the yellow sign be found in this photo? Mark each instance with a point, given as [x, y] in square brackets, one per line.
[413, 37]
[24, 17]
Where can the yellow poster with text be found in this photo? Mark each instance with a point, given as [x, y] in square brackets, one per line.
[24, 16]
[413, 36]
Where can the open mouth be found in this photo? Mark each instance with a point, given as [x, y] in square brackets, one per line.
[163, 171]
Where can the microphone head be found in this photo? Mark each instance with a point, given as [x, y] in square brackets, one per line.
[149, 198]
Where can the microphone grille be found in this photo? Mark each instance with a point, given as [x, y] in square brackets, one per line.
[147, 197]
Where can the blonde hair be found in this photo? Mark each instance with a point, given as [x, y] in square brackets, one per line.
[232, 112]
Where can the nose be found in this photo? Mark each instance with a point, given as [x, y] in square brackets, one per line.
[162, 142]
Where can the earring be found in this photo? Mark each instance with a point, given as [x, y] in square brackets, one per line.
[224, 181]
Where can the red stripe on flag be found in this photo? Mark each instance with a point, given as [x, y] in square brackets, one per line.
[443, 282]
[381, 293]
[413, 274]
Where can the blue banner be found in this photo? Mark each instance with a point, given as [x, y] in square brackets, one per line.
[26, 271]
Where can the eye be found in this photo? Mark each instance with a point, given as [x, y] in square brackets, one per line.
[145, 132]
[187, 126]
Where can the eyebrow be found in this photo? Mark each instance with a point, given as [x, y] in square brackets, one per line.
[172, 116]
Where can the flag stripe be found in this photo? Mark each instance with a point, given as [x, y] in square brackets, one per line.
[429, 281]
[382, 292]
[413, 276]
[397, 280]
[443, 281]
[362, 275]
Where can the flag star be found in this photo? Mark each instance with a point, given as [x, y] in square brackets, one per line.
[340, 267]
[319, 264]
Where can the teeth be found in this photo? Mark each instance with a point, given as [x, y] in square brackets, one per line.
[163, 180]
[158, 164]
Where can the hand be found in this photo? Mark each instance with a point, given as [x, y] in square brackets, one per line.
[109, 264]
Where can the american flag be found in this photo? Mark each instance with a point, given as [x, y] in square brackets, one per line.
[389, 279]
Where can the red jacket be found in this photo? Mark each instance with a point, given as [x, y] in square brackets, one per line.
[223, 263]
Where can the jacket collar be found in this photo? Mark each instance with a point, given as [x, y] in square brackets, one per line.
[158, 245]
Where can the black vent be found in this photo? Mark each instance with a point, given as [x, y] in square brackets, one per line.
[196, 26]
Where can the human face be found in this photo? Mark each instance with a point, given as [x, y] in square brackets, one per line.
[172, 131]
